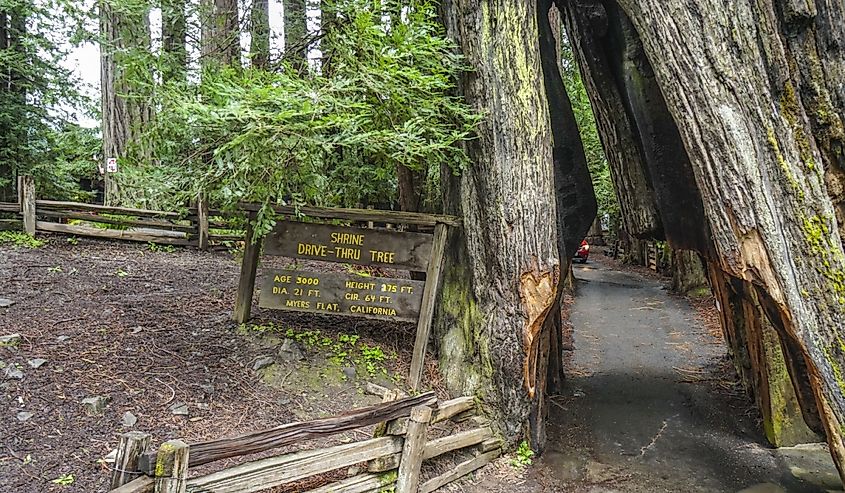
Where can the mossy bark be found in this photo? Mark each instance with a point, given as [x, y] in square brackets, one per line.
[520, 201]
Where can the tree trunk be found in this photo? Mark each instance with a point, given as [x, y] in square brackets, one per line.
[220, 33]
[173, 39]
[121, 30]
[296, 34]
[7, 172]
[503, 272]
[260, 43]
[751, 89]
[688, 273]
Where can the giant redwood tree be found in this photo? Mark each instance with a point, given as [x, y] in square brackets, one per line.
[723, 124]
[527, 188]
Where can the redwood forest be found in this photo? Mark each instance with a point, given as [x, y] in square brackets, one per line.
[487, 246]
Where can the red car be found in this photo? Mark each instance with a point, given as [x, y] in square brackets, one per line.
[583, 252]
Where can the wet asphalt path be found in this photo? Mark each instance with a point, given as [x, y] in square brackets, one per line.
[639, 413]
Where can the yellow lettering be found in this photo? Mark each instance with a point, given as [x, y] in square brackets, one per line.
[311, 250]
[382, 257]
[298, 304]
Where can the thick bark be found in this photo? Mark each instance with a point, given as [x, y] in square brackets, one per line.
[174, 31]
[587, 25]
[296, 33]
[220, 33]
[789, 417]
[259, 49]
[123, 117]
[688, 273]
[730, 82]
[525, 199]
[502, 273]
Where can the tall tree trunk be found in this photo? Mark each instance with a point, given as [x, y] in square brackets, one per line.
[296, 34]
[260, 42]
[754, 90]
[123, 116]
[7, 172]
[220, 33]
[502, 281]
[174, 32]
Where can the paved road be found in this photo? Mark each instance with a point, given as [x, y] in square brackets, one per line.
[631, 421]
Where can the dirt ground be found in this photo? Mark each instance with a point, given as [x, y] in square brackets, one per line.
[150, 331]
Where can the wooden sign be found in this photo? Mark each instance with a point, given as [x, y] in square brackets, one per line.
[351, 295]
[338, 294]
[402, 250]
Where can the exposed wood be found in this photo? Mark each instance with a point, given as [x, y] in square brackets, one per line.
[440, 446]
[95, 218]
[363, 483]
[144, 484]
[205, 452]
[384, 464]
[78, 206]
[26, 193]
[171, 471]
[448, 409]
[202, 220]
[397, 217]
[490, 444]
[249, 268]
[112, 234]
[412, 451]
[129, 448]
[269, 473]
[432, 283]
[459, 471]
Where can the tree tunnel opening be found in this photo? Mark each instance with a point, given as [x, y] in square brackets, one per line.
[658, 198]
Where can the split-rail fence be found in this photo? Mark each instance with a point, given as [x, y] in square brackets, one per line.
[390, 461]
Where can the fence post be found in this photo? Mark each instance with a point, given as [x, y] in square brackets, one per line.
[410, 465]
[130, 447]
[202, 220]
[26, 196]
[432, 280]
[171, 468]
[249, 267]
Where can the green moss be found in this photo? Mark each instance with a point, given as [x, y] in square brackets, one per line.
[166, 450]
[834, 366]
[784, 166]
[791, 111]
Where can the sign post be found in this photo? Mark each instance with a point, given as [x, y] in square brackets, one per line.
[353, 295]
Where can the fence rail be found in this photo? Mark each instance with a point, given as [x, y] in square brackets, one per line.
[197, 226]
[394, 456]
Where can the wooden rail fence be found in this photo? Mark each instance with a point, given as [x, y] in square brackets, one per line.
[198, 226]
[394, 456]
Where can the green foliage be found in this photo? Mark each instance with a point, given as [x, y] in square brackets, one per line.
[64, 480]
[19, 239]
[333, 136]
[596, 159]
[36, 133]
[155, 247]
[523, 456]
[341, 348]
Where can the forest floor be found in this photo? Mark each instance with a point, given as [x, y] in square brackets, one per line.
[148, 330]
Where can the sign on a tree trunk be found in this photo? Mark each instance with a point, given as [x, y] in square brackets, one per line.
[351, 294]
